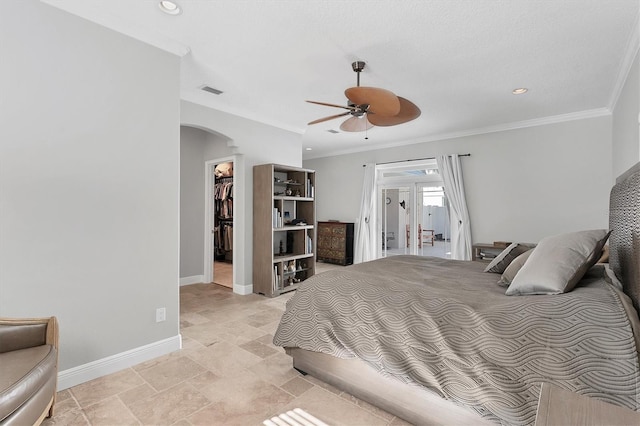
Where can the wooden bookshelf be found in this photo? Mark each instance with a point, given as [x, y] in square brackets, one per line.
[284, 230]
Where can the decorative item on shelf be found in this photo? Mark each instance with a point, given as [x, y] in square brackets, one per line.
[281, 248]
[292, 266]
[288, 192]
[297, 193]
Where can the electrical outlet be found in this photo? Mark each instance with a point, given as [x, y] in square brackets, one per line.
[161, 314]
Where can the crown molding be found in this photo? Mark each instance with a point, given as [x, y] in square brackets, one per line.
[560, 118]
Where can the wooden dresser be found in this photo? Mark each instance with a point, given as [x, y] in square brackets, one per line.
[335, 242]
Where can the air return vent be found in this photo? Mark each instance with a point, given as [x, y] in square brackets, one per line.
[211, 90]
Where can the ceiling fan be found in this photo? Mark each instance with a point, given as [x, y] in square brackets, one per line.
[370, 106]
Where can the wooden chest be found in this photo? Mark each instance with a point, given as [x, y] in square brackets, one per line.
[335, 242]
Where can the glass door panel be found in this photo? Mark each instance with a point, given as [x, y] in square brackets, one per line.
[395, 218]
[433, 222]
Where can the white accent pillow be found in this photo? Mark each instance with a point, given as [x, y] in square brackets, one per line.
[558, 263]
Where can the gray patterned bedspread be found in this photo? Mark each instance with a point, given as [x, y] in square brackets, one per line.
[448, 326]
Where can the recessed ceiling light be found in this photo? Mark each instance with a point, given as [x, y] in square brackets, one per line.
[520, 91]
[308, 149]
[169, 7]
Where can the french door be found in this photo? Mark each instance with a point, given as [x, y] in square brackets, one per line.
[414, 219]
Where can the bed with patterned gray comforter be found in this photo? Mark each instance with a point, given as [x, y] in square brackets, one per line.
[447, 326]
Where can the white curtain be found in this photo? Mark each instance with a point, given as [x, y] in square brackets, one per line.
[366, 238]
[451, 172]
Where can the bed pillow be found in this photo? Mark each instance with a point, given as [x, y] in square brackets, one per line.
[509, 274]
[558, 263]
[500, 263]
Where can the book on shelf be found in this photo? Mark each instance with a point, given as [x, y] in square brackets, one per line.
[309, 188]
[277, 218]
[275, 282]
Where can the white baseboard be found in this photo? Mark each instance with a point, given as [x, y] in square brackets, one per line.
[243, 289]
[195, 279]
[111, 364]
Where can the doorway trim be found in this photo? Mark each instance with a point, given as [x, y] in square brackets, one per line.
[208, 218]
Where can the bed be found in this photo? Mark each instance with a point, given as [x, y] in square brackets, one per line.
[437, 341]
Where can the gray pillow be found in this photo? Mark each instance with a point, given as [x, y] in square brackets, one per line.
[558, 263]
[500, 263]
[510, 273]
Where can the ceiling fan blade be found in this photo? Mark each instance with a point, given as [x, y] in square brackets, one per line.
[356, 124]
[333, 105]
[331, 117]
[380, 101]
[408, 111]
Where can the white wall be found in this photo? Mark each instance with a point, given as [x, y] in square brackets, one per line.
[521, 184]
[254, 143]
[625, 135]
[192, 201]
[89, 182]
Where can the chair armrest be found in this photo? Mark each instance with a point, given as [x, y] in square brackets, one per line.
[21, 333]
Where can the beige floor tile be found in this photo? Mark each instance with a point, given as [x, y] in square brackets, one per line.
[194, 318]
[110, 412]
[169, 406]
[332, 409]
[64, 405]
[96, 390]
[265, 315]
[202, 380]
[241, 399]
[224, 359]
[63, 395]
[257, 348]
[297, 386]
[237, 332]
[270, 327]
[205, 334]
[171, 372]
[137, 394]
[277, 369]
[73, 417]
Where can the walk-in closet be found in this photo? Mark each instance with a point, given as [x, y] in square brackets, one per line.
[223, 224]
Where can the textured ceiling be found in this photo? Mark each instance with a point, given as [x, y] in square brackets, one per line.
[458, 60]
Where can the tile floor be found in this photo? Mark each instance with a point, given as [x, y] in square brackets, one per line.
[228, 373]
[223, 273]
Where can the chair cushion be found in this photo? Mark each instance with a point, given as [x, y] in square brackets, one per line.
[22, 374]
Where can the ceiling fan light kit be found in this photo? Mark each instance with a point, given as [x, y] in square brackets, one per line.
[371, 106]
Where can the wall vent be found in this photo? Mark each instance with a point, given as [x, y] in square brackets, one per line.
[332, 131]
[211, 90]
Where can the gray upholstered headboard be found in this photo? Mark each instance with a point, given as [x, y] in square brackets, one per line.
[624, 242]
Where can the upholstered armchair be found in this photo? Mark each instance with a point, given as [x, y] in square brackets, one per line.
[28, 369]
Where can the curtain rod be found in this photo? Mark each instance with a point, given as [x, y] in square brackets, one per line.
[415, 159]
